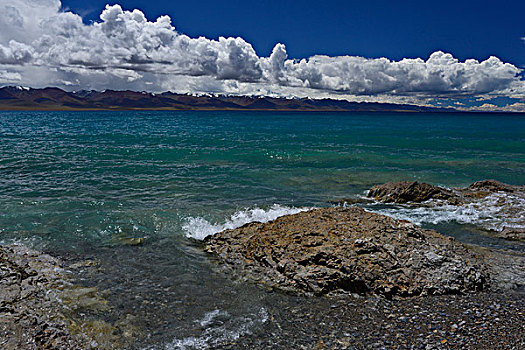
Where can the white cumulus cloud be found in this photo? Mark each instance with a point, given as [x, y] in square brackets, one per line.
[43, 46]
[15, 53]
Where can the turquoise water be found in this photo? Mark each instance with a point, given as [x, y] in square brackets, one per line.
[83, 176]
[77, 182]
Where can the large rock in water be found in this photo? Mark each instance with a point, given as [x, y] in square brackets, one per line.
[503, 199]
[348, 250]
[416, 192]
[404, 192]
[493, 186]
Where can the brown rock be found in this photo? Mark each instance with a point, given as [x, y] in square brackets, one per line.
[493, 186]
[404, 192]
[511, 234]
[415, 192]
[348, 250]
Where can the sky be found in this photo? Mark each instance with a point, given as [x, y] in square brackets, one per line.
[448, 53]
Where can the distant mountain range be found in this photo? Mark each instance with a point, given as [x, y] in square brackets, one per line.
[19, 98]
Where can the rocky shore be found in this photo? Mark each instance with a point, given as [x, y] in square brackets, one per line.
[42, 308]
[479, 321]
[29, 305]
[384, 283]
[417, 192]
[347, 279]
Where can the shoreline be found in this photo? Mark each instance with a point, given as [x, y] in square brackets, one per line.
[45, 304]
[30, 307]
[169, 109]
[485, 319]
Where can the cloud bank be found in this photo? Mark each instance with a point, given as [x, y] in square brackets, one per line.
[40, 45]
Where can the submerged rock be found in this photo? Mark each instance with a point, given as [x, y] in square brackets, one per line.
[124, 239]
[335, 250]
[510, 233]
[40, 307]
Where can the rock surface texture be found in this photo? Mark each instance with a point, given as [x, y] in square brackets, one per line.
[29, 315]
[42, 306]
[404, 192]
[416, 192]
[335, 250]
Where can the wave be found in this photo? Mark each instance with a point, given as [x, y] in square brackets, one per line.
[219, 327]
[199, 228]
[494, 212]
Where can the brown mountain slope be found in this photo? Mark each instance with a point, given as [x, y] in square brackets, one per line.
[18, 98]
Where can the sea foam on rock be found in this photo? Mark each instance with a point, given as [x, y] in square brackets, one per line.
[404, 192]
[339, 250]
[493, 205]
[417, 192]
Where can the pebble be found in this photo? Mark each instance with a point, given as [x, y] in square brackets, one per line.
[441, 326]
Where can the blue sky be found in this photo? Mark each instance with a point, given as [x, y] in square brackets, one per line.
[450, 53]
[393, 29]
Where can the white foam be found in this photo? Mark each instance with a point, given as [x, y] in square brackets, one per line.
[199, 228]
[34, 242]
[219, 327]
[494, 212]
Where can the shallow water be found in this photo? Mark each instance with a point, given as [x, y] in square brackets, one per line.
[81, 183]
